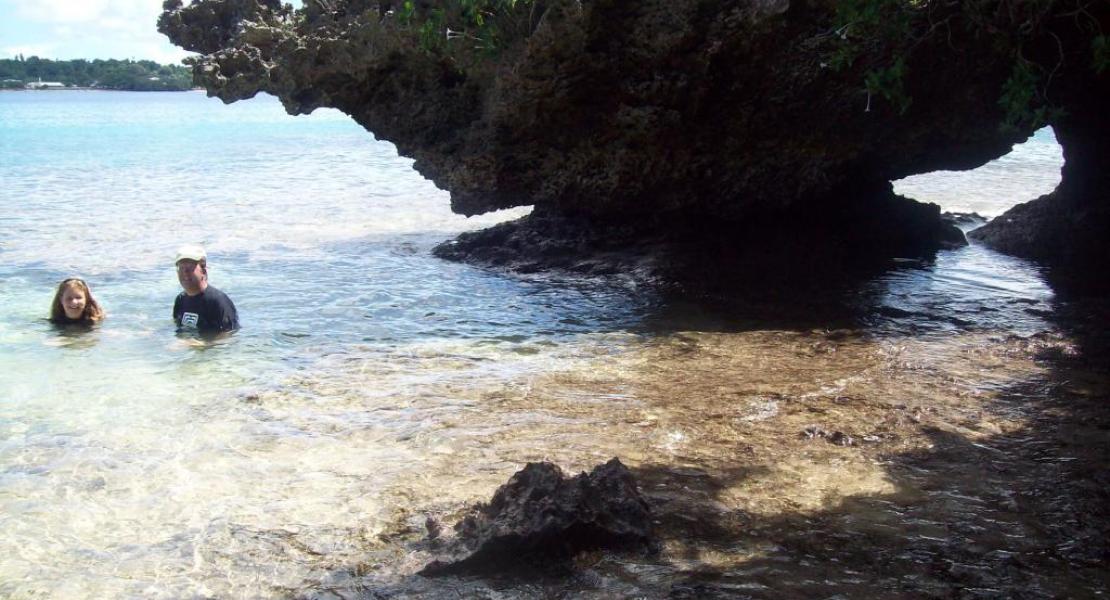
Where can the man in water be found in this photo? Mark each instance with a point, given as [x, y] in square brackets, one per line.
[201, 307]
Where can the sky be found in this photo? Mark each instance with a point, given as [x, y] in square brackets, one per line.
[66, 29]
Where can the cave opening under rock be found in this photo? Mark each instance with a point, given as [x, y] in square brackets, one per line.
[1029, 171]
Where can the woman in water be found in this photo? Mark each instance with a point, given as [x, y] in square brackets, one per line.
[74, 303]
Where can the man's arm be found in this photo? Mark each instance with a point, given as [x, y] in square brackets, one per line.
[225, 316]
[232, 317]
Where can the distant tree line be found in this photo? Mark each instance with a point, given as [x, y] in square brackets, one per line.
[112, 74]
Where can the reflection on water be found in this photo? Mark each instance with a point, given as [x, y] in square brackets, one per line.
[895, 435]
[73, 335]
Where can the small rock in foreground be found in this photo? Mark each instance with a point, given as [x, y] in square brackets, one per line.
[540, 515]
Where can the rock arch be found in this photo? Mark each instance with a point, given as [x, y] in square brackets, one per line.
[672, 118]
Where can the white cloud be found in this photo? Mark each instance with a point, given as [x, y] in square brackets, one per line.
[92, 29]
[63, 11]
[163, 54]
[136, 16]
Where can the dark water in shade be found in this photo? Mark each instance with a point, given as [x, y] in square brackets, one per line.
[373, 386]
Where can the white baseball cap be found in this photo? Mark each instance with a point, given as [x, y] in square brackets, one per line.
[190, 252]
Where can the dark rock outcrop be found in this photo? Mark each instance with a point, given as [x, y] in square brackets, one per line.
[541, 516]
[964, 221]
[1069, 227]
[832, 239]
[670, 118]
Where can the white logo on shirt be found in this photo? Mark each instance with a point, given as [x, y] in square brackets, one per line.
[189, 319]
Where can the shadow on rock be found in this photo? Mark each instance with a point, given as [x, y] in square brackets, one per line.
[1022, 514]
[714, 255]
[541, 519]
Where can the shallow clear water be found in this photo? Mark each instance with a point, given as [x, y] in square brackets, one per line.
[372, 385]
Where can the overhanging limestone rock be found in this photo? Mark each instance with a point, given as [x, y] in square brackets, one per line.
[664, 111]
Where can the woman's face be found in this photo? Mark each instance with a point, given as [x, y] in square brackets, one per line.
[73, 302]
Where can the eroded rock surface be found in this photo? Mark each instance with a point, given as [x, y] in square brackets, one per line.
[540, 516]
[1069, 227]
[670, 117]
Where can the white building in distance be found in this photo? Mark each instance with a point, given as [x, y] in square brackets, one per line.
[44, 85]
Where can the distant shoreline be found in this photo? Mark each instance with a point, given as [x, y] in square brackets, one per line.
[37, 73]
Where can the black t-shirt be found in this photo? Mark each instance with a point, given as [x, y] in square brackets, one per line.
[210, 310]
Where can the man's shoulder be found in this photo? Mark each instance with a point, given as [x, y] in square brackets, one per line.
[221, 310]
[218, 300]
[214, 293]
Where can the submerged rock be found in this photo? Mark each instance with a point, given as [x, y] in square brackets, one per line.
[541, 516]
[838, 438]
[659, 118]
[964, 221]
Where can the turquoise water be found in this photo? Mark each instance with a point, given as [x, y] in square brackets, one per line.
[365, 382]
[319, 233]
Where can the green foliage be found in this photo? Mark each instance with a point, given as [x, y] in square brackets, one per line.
[877, 39]
[1100, 47]
[1021, 99]
[866, 32]
[466, 26]
[142, 75]
[842, 57]
[1018, 92]
[407, 12]
[890, 83]
[428, 26]
[859, 23]
[873, 14]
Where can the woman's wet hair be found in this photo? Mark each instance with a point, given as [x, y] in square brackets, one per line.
[92, 312]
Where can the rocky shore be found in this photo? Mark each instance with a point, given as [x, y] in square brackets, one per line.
[968, 465]
[1070, 227]
[704, 252]
[633, 116]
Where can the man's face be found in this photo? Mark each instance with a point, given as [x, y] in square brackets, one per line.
[191, 275]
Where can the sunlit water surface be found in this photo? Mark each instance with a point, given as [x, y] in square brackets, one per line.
[1031, 170]
[373, 385]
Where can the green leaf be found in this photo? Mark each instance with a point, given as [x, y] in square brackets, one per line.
[1100, 47]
